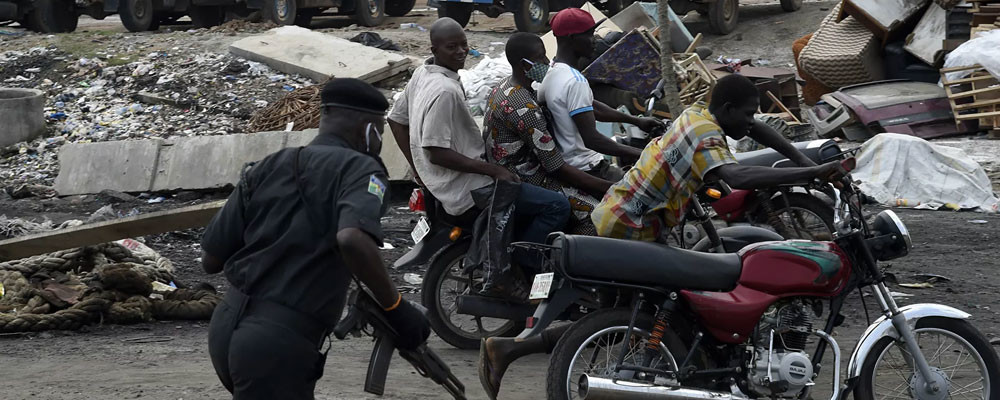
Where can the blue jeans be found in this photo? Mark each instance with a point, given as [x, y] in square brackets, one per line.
[537, 212]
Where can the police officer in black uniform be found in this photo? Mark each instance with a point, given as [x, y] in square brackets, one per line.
[298, 226]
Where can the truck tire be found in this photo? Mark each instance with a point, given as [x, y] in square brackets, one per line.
[281, 12]
[369, 12]
[723, 16]
[52, 16]
[460, 12]
[791, 5]
[137, 15]
[533, 15]
[206, 16]
[399, 8]
[613, 7]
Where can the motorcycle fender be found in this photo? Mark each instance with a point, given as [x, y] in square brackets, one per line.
[548, 310]
[422, 252]
[882, 327]
[735, 238]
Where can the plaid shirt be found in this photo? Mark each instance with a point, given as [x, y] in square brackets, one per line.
[654, 194]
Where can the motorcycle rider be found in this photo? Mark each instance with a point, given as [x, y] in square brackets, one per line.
[447, 150]
[568, 96]
[517, 134]
[656, 191]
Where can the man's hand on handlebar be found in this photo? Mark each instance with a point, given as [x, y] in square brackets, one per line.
[835, 171]
[649, 124]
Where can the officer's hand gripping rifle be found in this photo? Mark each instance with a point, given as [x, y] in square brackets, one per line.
[364, 312]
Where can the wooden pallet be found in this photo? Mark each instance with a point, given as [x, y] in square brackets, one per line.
[695, 80]
[976, 97]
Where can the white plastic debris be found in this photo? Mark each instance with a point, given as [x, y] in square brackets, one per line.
[481, 79]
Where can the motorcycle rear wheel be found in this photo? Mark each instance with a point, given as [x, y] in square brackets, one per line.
[443, 283]
[598, 336]
[885, 372]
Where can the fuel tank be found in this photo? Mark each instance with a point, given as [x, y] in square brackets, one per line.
[795, 267]
[771, 270]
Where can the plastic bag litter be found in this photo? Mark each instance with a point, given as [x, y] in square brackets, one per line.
[372, 39]
[481, 79]
[892, 167]
[981, 50]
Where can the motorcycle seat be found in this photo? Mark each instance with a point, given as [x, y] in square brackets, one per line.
[647, 264]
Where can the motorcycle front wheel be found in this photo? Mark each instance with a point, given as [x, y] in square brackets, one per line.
[593, 346]
[443, 283]
[804, 217]
[958, 353]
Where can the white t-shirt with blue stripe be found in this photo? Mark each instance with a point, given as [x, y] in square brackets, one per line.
[565, 93]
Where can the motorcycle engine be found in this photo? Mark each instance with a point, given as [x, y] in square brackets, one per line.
[780, 365]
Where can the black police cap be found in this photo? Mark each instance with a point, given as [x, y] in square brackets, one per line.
[353, 94]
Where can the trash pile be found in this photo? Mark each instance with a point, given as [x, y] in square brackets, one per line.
[121, 282]
[158, 95]
[861, 43]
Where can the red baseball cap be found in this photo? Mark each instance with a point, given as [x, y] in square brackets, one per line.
[572, 21]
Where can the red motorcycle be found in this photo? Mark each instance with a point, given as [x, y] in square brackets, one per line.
[692, 325]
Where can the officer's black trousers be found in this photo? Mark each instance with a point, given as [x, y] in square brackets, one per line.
[259, 354]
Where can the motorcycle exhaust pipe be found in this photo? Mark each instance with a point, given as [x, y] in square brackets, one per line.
[593, 388]
[491, 307]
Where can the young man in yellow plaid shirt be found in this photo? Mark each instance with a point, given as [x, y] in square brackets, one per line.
[655, 193]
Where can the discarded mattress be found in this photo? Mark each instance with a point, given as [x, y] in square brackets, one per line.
[914, 108]
[900, 169]
[632, 64]
[842, 53]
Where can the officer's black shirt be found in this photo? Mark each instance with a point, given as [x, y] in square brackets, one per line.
[277, 250]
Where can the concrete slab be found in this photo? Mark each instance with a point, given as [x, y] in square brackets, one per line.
[206, 162]
[124, 166]
[319, 56]
[192, 163]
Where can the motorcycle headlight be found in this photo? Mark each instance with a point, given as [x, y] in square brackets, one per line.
[892, 239]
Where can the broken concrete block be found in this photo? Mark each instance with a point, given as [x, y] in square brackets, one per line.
[319, 56]
[205, 162]
[124, 166]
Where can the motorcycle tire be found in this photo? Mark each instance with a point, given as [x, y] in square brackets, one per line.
[460, 12]
[561, 380]
[438, 272]
[962, 328]
[806, 204]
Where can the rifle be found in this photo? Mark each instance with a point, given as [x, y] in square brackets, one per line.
[364, 312]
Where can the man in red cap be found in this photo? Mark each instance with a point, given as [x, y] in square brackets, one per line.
[567, 95]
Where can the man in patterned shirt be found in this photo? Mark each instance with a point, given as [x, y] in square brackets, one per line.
[517, 134]
[654, 194]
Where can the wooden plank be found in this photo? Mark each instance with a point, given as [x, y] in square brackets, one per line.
[694, 44]
[107, 231]
[978, 115]
[967, 80]
[973, 92]
[977, 104]
[954, 69]
[781, 105]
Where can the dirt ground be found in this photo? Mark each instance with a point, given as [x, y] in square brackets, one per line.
[169, 360]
